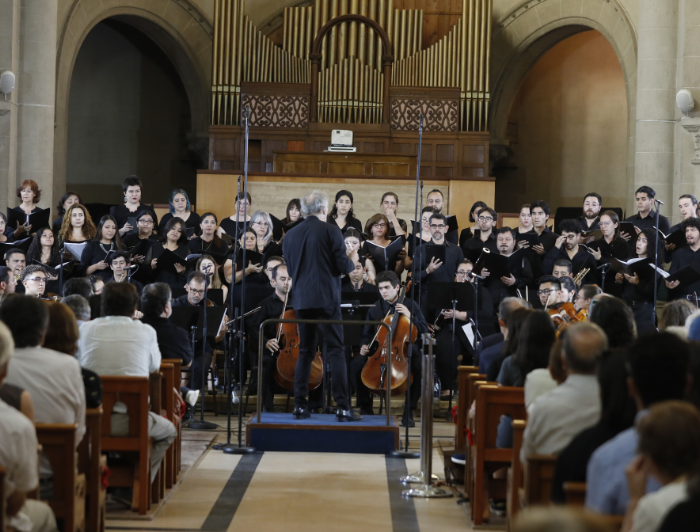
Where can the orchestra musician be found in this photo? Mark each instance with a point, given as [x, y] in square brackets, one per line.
[271, 308]
[567, 247]
[34, 279]
[585, 296]
[8, 283]
[316, 258]
[610, 245]
[568, 289]
[563, 268]
[638, 292]
[132, 187]
[550, 291]
[107, 239]
[389, 287]
[342, 215]
[179, 207]
[518, 266]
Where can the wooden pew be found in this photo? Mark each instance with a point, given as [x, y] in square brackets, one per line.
[463, 405]
[515, 474]
[91, 463]
[492, 402]
[155, 395]
[575, 493]
[69, 487]
[168, 404]
[474, 381]
[133, 392]
[539, 474]
[3, 505]
[177, 449]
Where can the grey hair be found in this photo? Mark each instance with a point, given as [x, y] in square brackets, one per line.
[79, 305]
[259, 216]
[7, 345]
[314, 203]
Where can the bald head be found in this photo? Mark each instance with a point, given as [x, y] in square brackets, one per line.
[583, 344]
[509, 304]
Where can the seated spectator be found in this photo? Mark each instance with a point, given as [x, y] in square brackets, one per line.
[173, 341]
[617, 320]
[117, 345]
[684, 517]
[18, 399]
[534, 343]
[8, 283]
[556, 417]
[53, 380]
[550, 519]
[515, 323]
[542, 380]
[97, 283]
[19, 457]
[80, 307]
[34, 279]
[658, 367]
[675, 313]
[62, 336]
[669, 450]
[77, 285]
[489, 354]
[95, 306]
[618, 411]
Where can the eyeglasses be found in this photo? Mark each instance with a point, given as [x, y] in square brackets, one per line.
[437, 226]
[40, 280]
[463, 273]
[261, 223]
[571, 237]
[546, 292]
[146, 222]
[196, 292]
[604, 224]
[380, 225]
[485, 219]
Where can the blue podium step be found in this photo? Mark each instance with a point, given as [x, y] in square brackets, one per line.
[321, 433]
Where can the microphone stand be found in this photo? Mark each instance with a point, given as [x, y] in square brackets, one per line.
[407, 409]
[231, 334]
[60, 271]
[603, 269]
[201, 424]
[656, 263]
[420, 229]
[241, 346]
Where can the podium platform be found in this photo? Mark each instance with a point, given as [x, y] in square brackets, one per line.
[321, 433]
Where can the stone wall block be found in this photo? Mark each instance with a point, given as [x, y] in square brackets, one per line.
[658, 14]
[658, 43]
[549, 11]
[571, 8]
[653, 137]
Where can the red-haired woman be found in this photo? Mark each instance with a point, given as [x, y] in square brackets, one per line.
[30, 194]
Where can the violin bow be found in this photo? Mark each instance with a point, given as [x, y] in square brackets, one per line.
[284, 310]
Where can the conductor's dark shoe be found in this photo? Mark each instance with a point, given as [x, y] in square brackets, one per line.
[301, 413]
[347, 415]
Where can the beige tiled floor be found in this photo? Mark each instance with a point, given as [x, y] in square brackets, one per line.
[303, 492]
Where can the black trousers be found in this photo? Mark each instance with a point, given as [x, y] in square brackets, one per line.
[197, 369]
[334, 355]
[364, 396]
[446, 353]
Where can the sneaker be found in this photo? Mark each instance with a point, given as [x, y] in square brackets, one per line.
[460, 459]
[191, 397]
[498, 507]
[234, 397]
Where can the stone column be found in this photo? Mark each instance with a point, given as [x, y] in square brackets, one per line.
[656, 90]
[9, 60]
[36, 90]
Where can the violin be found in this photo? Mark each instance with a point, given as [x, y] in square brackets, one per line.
[374, 374]
[565, 314]
[288, 340]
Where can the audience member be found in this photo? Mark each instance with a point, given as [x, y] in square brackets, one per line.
[658, 367]
[53, 379]
[80, 307]
[19, 458]
[618, 411]
[118, 345]
[488, 354]
[77, 285]
[515, 323]
[8, 282]
[542, 380]
[669, 450]
[675, 313]
[550, 519]
[617, 320]
[532, 352]
[556, 417]
[34, 280]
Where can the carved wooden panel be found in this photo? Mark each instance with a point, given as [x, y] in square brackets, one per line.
[276, 104]
[439, 115]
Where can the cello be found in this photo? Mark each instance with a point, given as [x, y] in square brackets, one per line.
[374, 374]
[288, 340]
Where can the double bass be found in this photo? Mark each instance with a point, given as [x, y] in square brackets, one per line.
[288, 341]
[374, 374]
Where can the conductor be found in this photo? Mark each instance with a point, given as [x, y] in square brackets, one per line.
[316, 258]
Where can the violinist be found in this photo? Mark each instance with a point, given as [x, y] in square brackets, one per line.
[585, 296]
[316, 258]
[389, 287]
[563, 268]
[568, 289]
[550, 291]
[271, 308]
[34, 280]
[567, 247]
[611, 245]
[638, 292]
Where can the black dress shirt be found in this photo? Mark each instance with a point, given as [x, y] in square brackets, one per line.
[650, 221]
[472, 248]
[619, 249]
[193, 222]
[582, 222]
[365, 288]
[182, 301]
[520, 268]
[173, 341]
[548, 238]
[122, 214]
[161, 275]
[465, 235]
[582, 259]
[271, 308]
[445, 273]
[316, 258]
[681, 258]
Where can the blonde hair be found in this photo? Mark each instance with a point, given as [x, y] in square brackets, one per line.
[89, 229]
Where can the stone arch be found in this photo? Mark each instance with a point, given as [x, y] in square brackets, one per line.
[179, 29]
[528, 31]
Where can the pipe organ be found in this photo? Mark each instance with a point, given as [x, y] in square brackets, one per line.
[351, 78]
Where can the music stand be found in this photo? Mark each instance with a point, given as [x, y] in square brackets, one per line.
[455, 296]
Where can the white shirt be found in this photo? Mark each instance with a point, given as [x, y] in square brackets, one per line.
[653, 507]
[556, 417]
[537, 382]
[54, 381]
[18, 452]
[118, 345]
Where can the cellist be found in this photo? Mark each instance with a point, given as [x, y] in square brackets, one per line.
[272, 307]
[389, 287]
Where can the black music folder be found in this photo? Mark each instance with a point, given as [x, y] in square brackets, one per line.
[434, 251]
[532, 238]
[251, 257]
[277, 228]
[20, 244]
[632, 266]
[168, 260]
[687, 275]
[385, 255]
[38, 220]
[629, 228]
[142, 248]
[677, 238]
[75, 249]
[495, 263]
